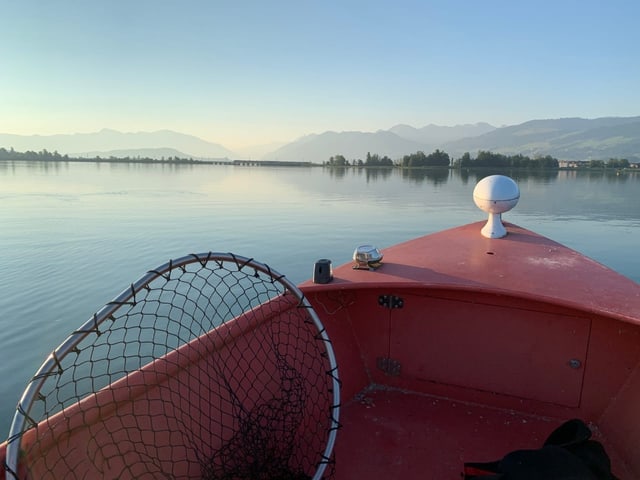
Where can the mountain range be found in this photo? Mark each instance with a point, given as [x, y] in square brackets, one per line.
[107, 142]
[564, 138]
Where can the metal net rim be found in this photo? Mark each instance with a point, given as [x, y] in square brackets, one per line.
[22, 423]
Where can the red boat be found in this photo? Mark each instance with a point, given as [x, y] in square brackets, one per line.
[433, 359]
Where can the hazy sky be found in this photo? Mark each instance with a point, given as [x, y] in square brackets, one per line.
[242, 73]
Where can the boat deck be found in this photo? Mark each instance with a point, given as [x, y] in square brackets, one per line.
[392, 434]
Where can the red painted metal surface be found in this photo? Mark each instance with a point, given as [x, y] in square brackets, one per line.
[400, 435]
[496, 342]
[523, 263]
[491, 348]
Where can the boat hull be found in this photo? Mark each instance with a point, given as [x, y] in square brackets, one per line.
[458, 348]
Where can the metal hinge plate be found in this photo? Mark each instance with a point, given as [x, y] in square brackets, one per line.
[390, 301]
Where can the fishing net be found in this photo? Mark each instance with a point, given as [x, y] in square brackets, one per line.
[211, 366]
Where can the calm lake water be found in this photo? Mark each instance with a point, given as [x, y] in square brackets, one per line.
[74, 235]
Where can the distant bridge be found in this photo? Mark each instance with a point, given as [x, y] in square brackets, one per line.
[269, 163]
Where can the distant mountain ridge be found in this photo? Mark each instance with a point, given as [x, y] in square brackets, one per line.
[107, 140]
[396, 142]
[436, 134]
[564, 138]
[318, 148]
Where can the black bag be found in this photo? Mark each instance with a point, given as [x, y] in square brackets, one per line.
[568, 454]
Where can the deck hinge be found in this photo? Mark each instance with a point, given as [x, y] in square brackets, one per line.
[390, 301]
[389, 366]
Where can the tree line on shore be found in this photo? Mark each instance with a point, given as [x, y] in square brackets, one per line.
[419, 159]
[490, 159]
[47, 156]
[439, 158]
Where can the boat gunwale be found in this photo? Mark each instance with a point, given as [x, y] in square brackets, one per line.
[482, 280]
[495, 292]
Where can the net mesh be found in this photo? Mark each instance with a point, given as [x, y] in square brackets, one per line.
[212, 367]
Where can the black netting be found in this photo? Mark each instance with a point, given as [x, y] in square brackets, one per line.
[213, 367]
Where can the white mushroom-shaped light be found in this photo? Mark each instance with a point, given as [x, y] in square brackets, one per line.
[495, 195]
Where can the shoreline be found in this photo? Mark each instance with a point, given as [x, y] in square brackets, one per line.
[293, 164]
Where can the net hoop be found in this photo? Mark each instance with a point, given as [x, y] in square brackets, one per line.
[51, 367]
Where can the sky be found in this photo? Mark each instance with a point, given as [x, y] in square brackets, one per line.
[244, 73]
